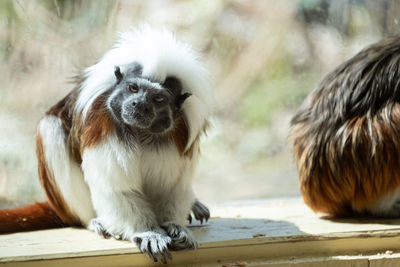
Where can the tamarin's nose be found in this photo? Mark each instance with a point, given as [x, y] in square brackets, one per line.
[142, 107]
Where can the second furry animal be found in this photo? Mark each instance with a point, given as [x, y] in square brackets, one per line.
[346, 136]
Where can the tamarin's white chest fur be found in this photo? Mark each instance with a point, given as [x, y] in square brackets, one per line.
[151, 171]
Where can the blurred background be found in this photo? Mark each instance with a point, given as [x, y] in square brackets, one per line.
[264, 57]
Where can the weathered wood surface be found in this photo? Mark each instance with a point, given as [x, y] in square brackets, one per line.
[256, 233]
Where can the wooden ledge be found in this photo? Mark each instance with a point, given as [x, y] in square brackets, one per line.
[257, 233]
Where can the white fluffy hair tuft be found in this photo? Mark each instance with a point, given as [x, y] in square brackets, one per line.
[161, 56]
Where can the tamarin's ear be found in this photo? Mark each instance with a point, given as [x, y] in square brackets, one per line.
[118, 74]
[180, 99]
[173, 85]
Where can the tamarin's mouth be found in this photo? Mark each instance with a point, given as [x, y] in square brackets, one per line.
[161, 125]
[141, 120]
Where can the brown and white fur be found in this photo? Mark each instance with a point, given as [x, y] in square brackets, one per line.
[347, 136]
[118, 178]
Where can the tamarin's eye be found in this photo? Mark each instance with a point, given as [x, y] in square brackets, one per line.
[159, 99]
[133, 88]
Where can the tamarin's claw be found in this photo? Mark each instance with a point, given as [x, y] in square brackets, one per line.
[154, 244]
[200, 212]
[181, 237]
[96, 226]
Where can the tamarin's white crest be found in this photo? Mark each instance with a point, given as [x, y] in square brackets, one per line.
[118, 153]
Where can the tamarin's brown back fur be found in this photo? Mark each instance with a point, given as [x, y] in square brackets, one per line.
[346, 135]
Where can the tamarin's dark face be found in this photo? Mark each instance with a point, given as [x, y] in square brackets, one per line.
[141, 103]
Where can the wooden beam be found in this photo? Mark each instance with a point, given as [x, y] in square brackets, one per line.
[267, 233]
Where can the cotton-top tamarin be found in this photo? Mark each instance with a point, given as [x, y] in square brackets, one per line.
[118, 153]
